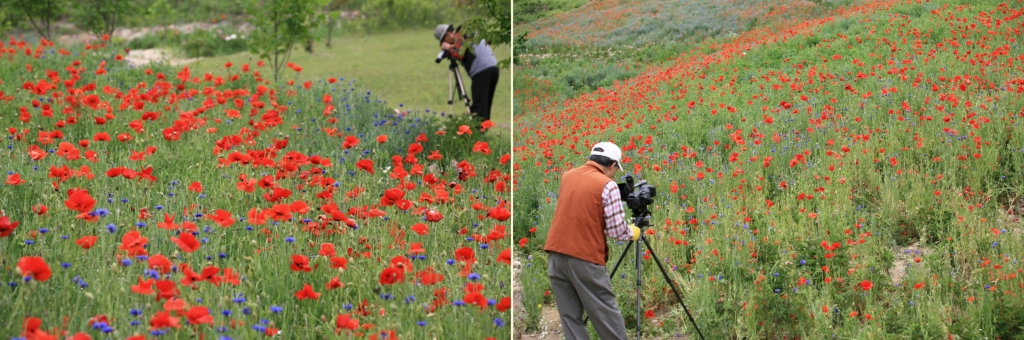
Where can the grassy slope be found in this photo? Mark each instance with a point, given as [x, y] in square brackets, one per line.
[950, 295]
[399, 64]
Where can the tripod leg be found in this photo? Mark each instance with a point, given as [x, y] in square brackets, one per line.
[672, 284]
[616, 268]
[639, 286]
[451, 90]
[462, 89]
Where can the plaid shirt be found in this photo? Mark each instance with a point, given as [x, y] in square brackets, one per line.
[614, 214]
[454, 50]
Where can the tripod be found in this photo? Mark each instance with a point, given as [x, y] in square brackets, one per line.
[641, 219]
[455, 80]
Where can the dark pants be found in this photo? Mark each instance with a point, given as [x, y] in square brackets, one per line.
[583, 286]
[484, 84]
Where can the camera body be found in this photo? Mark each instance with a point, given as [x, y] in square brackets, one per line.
[637, 196]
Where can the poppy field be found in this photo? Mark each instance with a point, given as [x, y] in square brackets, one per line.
[155, 202]
[858, 175]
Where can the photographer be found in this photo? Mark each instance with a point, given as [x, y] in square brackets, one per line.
[481, 65]
[589, 209]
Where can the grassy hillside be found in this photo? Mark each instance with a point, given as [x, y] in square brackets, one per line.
[854, 176]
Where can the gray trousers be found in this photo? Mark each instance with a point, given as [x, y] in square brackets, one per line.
[584, 286]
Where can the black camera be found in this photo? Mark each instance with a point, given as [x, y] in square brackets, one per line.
[444, 53]
[638, 196]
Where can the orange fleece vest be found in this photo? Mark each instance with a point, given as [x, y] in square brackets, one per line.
[577, 229]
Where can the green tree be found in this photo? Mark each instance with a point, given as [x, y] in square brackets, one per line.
[280, 24]
[492, 21]
[39, 13]
[102, 16]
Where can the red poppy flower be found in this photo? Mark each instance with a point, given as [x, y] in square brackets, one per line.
[221, 217]
[199, 315]
[162, 320]
[475, 298]
[487, 124]
[280, 212]
[420, 228]
[277, 195]
[464, 129]
[159, 261]
[465, 254]
[6, 226]
[504, 304]
[168, 223]
[327, 250]
[429, 277]
[365, 165]
[391, 276]
[167, 289]
[346, 321]
[39, 209]
[30, 329]
[334, 283]
[196, 186]
[144, 287]
[482, 147]
[77, 336]
[499, 213]
[350, 142]
[299, 207]
[34, 266]
[14, 179]
[133, 243]
[434, 216]
[339, 262]
[505, 256]
[87, 242]
[382, 139]
[300, 263]
[187, 242]
[80, 201]
[231, 277]
[435, 155]
[307, 293]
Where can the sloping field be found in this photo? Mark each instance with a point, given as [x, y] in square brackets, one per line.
[852, 176]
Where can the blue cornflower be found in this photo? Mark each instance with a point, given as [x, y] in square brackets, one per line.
[276, 309]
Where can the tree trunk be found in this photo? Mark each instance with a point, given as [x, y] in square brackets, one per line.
[330, 28]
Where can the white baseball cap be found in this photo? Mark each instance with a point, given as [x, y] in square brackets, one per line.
[609, 150]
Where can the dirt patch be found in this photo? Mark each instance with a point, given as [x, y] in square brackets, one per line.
[903, 257]
[131, 33]
[550, 327]
[155, 55]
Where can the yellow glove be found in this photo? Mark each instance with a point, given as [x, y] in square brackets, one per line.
[636, 232]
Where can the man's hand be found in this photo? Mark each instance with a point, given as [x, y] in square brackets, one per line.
[635, 231]
[446, 46]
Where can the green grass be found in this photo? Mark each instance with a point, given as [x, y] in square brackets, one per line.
[399, 66]
[799, 165]
[530, 10]
[286, 127]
